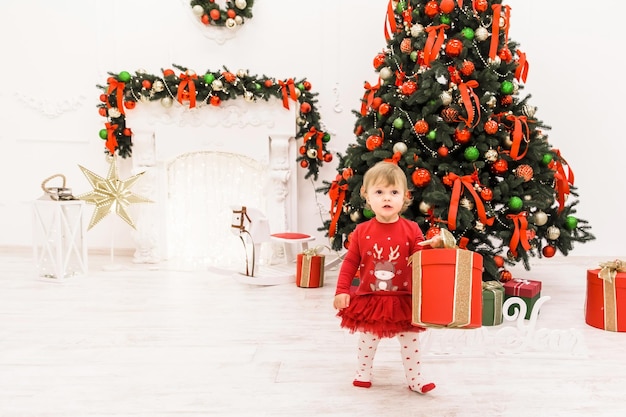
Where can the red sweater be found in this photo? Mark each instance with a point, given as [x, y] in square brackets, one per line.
[380, 251]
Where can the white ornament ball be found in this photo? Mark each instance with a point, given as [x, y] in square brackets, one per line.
[197, 10]
[416, 30]
[230, 23]
[386, 73]
[540, 218]
[241, 4]
[114, 112]
[239, 20]
[158, 86]
[400, 147]
[481, 34]
[491, 155]
[495, 62]
[446, 98]
[553, 233]
[217, 85]
[424, 207]
[311, 153]
[167, 102]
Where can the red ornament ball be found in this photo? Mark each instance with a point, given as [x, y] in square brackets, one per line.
[304, 163]
[491, 127]
[420, 177]
[408, 88]
[432, 232]
[406, 45]
[462, 135]
[548, 251]
[486, 194]
[302, 150]
[347, 173]
[499, 261]
[215, 100]
[454, 48]
[268, 83]
[505, 276]
[443, 151]
[379, 60]
[524, 171]
[500, 166]
[307, 85]
[505, 55]
[205, 19]
[421, 127]
[431, 9]
[130, 104]
[305, 108]
[446, 6]
[358, 130]
[373, 142]
[376, 102]
[215, 14]
[384, 109]
[231, 13]
[147, 84]
[506, 101]
[328, 157]
[467, 68]
[481, 5]
[102, 112]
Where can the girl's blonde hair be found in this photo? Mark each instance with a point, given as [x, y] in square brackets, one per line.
[386, 173]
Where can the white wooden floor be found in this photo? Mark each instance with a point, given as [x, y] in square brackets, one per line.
[141, 342]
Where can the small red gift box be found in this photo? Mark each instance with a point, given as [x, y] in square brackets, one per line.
[447, 288]
[310, 270]
[605, 305]
[527, 289]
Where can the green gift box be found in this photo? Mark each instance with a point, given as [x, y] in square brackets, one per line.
[526, 289]
[493, 298]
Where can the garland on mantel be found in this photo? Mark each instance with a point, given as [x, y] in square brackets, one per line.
[123, 91]
[232, 17]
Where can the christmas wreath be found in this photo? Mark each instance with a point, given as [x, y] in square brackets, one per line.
[232, 17]
[124, 90]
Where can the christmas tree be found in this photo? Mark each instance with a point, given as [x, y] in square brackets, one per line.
[447, 109]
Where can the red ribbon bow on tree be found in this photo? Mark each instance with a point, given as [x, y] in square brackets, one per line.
[520, 129]
[468, 182]
[562, 181]
[521, 72]
[390, 26]
[519, 233]
[368, 97]
[111, 142]
[469, 99]
[395, 158]
[495, 35]
[314, 134]
[436, 37]
[289, 91]
[187, 84]
[337, 194]
[118, 87]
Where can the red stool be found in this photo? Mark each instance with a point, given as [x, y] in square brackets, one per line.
[293, 244]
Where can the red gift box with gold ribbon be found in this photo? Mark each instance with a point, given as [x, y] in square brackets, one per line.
[310, 269]
[447, 288]
[605, 305]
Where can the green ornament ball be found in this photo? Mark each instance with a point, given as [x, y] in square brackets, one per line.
[103, 134]
[546, 159]
[431, 135]
[468, 33]
[124, 76]
[209, 78]
[398, 123]
[326, 137]
[471, 153]
[257, 86]
[445, 19]
[515, 203]
[413, 56]
[301, 87]
[507, 87]
[368, 213]
[571, 222]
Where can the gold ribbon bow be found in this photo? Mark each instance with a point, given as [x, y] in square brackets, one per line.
[608, 272]
[610, 269]
[307, 256]
[497, 289]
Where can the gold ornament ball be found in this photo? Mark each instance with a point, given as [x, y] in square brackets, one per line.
[466, 203]
[241, 4]
[491, 155]
[540, 218]
[311, 153]
[217, 85]
[158, 86]
[553, 233]
[197, 10]
[479, 226]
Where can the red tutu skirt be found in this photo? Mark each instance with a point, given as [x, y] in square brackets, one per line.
[383, 315]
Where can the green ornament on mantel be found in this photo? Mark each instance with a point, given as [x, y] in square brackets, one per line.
[515, 203]
[209, 78]
[103, 133]
[368, 213]
[124, 76]
[571, 222]
[444, 19]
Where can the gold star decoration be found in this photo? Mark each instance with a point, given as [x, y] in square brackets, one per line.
[111, 194]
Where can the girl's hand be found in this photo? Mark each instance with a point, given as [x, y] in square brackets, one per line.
[436, 242]
[341, 301]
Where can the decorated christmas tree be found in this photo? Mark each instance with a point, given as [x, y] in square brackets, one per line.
[447, 109]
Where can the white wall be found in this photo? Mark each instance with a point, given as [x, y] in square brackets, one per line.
[54, 54]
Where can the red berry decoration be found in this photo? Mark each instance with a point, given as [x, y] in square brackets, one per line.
[548, 251]
[525, 172]
[421, 127]
[462, 136]
[431, 9]
[491, 127]
[147, 84]
[373, 142]
[302, 150]
[505, 276]
[205, 19]
[268, 83]
[454, 48]
[420, 177]
[467, 68]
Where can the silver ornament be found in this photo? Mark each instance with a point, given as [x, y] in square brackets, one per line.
[495, 61]
[481, 34]
[400, 147]
[424, 207]
[446, 98]
[239, 20]
[479, 226]
[491, 155]
[301, 121]
[385, 73]
[540, 218]
[242, 73]
[311, 153]
[248, 96]
[114, 112]
[553, 233]
[416, 30]
[241, 4]
[167, 102]
[217, 85]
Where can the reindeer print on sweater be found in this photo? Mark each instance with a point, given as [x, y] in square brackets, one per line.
[385, 269]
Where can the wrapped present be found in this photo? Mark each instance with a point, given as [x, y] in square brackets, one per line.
[310, 268]
[493, 298]
[526, 289]
[447, 286]
[605, 306]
